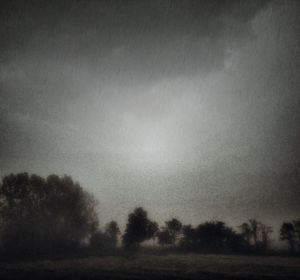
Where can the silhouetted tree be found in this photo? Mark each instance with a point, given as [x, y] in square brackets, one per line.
[153, 230]
[297, 233]
[174, 227]
[138, 229]
[246, 232]
[112, 232]
[212, 236]
[44, 216]
[189, 239]
[291, 233]
[168, 234]
[164, 237]
[265, 233]
[253, 224]
[103, 242]
[287, 232]
[256, 234]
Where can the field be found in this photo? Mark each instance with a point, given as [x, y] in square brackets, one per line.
[157, 267]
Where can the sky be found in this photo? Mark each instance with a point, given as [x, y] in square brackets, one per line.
[187, 108]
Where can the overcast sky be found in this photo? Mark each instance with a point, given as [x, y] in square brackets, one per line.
[187, 108]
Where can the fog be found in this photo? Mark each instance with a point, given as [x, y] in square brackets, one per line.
[187, 108]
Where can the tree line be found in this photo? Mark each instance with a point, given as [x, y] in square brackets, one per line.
[56, 216]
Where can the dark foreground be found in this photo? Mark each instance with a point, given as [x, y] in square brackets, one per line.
[157, 267]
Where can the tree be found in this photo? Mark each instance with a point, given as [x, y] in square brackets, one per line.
[189, 239]
[164, 237]
[246, 232]
[153, 230]
[213, 236]
[291, 233]
[52, 216]
[256, 234]
[138, 229]
[168, 234]
[174, 227]
[265, 232]
[106, 241]
[297, 233]
[253, 225]
[287, 232]
[112, 231]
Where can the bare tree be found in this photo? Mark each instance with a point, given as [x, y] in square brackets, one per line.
[265, 232]
[253, 224]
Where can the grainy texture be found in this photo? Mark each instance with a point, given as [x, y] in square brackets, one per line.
[157, 267]
[187, 108]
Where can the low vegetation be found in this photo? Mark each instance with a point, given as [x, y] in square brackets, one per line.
[154, 267]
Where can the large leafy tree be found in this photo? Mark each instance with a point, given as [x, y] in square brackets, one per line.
[138, 229]
[287, 233]
[189, 239]
[213, 236]
[39, 216]
[174, 227]
[112, 232]
[168, 234]
[290, 232]
[165, 238]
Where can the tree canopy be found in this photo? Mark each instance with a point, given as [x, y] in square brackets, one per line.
[290, 232]
[138, 229]
[41, 216]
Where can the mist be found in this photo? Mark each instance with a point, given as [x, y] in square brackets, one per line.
[187, 108]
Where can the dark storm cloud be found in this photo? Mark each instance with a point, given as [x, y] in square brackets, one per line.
[151, 38]
[52, 50]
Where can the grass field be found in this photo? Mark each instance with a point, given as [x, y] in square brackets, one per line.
[157, 267]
